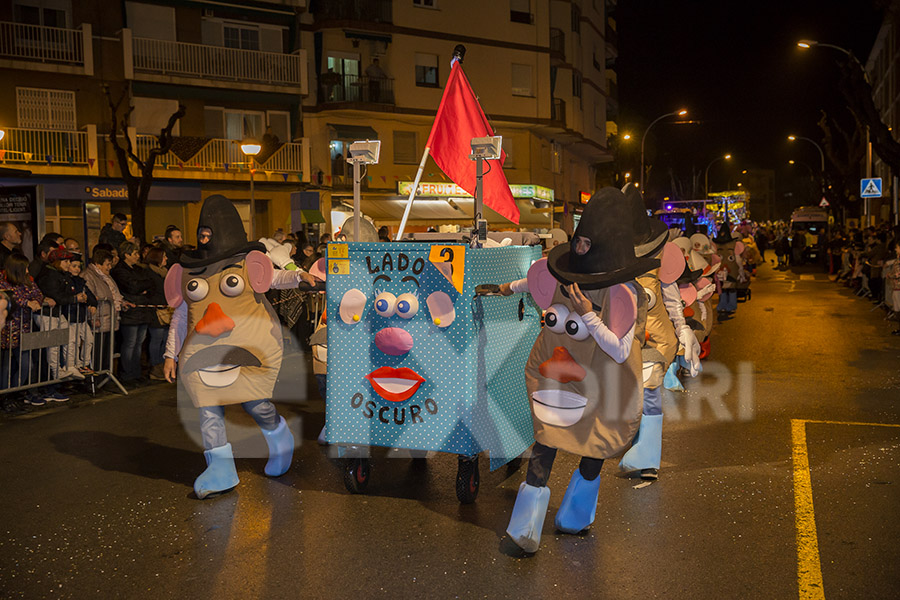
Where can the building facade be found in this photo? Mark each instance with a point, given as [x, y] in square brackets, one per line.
[883, 69]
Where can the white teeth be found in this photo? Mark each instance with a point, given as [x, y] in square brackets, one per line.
[219, 375]
[558, 407]
[394, 385]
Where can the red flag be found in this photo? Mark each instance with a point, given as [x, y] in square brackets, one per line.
[459, 119]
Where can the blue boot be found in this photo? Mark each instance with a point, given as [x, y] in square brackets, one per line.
[579, 505]
[527, 518]
[646, 449]
[281, 449]
[671, 381]
[220, 474]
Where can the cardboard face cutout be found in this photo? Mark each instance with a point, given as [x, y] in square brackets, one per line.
[582, 401]
[417, 360]
[233, 349]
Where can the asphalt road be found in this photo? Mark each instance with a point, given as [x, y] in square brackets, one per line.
[97, 501]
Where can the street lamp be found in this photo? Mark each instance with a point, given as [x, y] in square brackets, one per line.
[251, 148]
[626, 136]
[679, 113]
[706, 177]
[821, 155]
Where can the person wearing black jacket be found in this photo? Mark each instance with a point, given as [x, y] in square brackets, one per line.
[112, 232]
[155, 266]
[136, 288]
[81, 316]
[55, 282]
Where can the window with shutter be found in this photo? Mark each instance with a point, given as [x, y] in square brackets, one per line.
[280, 122]
[405, 148]
[214, 121]
[151, 21]
[426, 70]
[521, 80]
[45, 109]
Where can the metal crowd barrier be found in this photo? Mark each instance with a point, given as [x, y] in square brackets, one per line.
[52, 349]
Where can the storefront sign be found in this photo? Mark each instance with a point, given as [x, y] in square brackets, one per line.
[87, 189]
[18, 204]
[439, 189]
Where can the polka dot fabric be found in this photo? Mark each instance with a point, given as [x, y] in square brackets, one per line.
[471, 392]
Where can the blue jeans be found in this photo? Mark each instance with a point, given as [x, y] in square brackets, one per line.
[727, 301]
[13, 371]
[130, 351]
[157, 344]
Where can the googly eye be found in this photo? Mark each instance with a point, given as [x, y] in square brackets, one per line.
[651, 298]
[232, 285]
[196, 289]
[555, 318]
[407, 306]
[731, 257]
[385, 304]
[575, 327]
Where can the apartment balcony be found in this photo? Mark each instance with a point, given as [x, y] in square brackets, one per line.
[48, 151]
[55, 49]
[216, 158]
[184, 63]
[359, 11]
[355, 89]
[557, 44]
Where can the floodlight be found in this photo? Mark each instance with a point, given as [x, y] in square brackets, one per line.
[365, 152]
[487, 148]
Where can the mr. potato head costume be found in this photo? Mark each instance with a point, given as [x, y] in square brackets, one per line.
[584, 374]
[227, 339]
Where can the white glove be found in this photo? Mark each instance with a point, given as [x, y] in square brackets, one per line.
[280, 255]
[691, 349]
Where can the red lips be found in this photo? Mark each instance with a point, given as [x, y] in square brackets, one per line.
[395, 385]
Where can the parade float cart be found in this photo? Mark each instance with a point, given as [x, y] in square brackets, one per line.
[424, 355]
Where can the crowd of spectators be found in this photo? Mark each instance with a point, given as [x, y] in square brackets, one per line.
[111, 303]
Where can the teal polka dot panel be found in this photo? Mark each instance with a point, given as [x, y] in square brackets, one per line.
[414, 363]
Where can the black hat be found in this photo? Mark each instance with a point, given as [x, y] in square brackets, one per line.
[228, 236]
[690, 228]
[601, 252]
[724, 236]
[650, 234]
[689, 276]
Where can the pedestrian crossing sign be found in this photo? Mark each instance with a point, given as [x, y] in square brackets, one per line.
[870, 188]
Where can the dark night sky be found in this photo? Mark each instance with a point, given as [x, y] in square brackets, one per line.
[736, 67]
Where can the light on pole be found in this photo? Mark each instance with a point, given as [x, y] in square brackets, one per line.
[821, 158]
[706, 177]
[251, 148]
[679, 113]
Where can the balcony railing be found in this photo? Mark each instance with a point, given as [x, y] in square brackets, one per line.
[225, 155]
[216, 62]
[45, 146]
[558, 110]
[376, 11]
[43, 44]
[356, 88]
[557, 42]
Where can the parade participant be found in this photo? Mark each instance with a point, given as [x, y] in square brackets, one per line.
[233, 352]
[584, 375]
[659, 342]
[729, 249]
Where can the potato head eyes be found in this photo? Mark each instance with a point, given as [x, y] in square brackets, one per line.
[575, 327]
[385, 304]
[232, 285]
[555, 318]
[407, 306]
[196, 289]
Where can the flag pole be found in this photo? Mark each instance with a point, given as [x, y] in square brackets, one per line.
[412, 194]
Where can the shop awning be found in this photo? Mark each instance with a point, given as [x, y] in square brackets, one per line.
[311, 216]
[353, 132]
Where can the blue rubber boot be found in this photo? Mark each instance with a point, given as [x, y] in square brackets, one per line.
[527, 518]
[281, 449]
[646, 450]
[579, 505]
[671, 381]
[220, 474]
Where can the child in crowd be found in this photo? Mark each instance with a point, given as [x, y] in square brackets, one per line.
[80, 316]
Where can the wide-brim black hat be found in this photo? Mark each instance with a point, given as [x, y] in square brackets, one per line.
[689, 276]
[650, 234]
[228, 237]
[601, 253]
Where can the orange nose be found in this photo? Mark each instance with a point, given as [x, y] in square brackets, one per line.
[214, 322]
[562, 367]
[689, 312]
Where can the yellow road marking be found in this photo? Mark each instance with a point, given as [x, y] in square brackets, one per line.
[809, 570]
[809, 567]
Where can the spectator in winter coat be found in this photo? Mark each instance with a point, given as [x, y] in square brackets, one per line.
[81, 317]
[56, 283]
[155, 266]
[136, 286]
[112, 232]
[110, 301]
[26, 299]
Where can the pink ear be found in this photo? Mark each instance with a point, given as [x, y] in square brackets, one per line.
[541, 284]
[173, 286]
[688, 294]
[739, 248]
[671, 263]
[260, 271]
[622, 309]
[319, 268]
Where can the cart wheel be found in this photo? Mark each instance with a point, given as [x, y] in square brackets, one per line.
[467, 480]
[356, 475]
[749, 294]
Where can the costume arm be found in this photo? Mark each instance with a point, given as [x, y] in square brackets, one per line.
[177, 332]
[519, 286]
[618, 349]
[672, 300]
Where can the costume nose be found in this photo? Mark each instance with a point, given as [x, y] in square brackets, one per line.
[214, 322]
[562, 367]
[394, 341]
